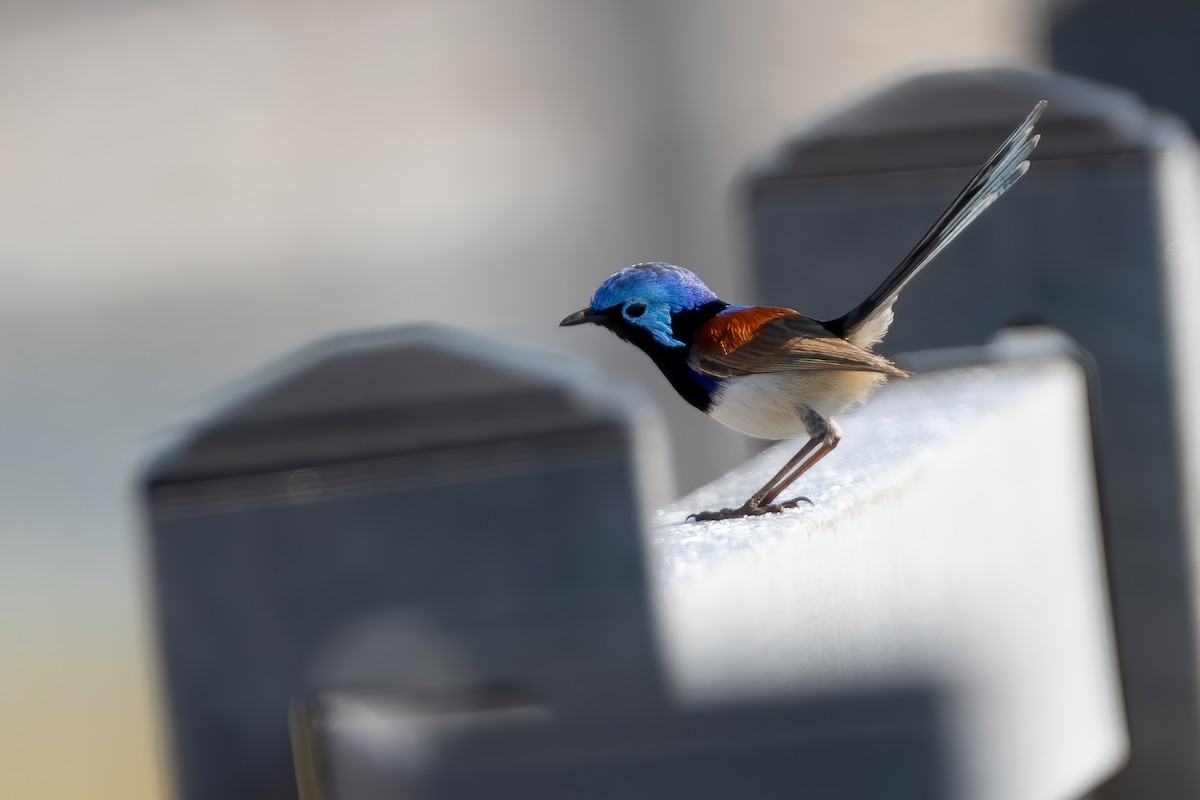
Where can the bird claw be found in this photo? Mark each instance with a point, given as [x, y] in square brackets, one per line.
[795, 502]
[746, 510]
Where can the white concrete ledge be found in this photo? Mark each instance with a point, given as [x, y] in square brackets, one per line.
[954, 538]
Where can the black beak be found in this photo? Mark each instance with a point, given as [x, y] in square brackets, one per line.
[582, 317]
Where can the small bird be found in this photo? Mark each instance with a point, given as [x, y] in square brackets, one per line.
[772, 372]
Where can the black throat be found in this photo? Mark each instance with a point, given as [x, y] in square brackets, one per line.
[672, 361]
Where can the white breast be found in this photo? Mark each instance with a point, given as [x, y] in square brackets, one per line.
[773, 406]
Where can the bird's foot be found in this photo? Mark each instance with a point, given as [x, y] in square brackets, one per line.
[747, 510]
[795, 501]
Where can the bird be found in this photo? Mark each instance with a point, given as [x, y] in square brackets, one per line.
[771, 372]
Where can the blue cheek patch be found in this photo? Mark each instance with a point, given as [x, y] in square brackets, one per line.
[657, 320]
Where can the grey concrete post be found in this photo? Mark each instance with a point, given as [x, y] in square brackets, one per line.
[423, 512]
[1147, 46]
[1099, 240]
[849, 746]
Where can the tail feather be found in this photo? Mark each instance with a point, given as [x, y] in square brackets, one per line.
[867, 323]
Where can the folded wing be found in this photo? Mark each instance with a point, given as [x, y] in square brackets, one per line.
[761, 340]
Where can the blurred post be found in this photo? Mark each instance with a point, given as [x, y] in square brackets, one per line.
[422, 512]
[850, 746]
[1147, 46]
[1098, 240]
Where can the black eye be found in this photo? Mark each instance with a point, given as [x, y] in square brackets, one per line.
[634, 310]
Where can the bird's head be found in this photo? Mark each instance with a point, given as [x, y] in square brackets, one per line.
[639, 303]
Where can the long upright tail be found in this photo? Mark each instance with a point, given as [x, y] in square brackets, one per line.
[867, 322]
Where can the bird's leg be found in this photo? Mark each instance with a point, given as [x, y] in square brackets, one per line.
[760, 502]
[758, 497]
[825, 431]
[825, 436]
[826, 448]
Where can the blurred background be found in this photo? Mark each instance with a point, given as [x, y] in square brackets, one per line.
[189, 189]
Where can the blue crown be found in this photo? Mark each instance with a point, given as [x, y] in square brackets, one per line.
[665, 289]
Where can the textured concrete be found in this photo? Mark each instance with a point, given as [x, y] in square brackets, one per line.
[955, 537]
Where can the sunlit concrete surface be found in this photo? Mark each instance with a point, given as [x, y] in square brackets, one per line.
[954, 536]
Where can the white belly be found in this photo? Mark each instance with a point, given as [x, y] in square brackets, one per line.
[773, 406]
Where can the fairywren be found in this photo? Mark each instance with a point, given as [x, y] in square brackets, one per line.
[772, 372]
